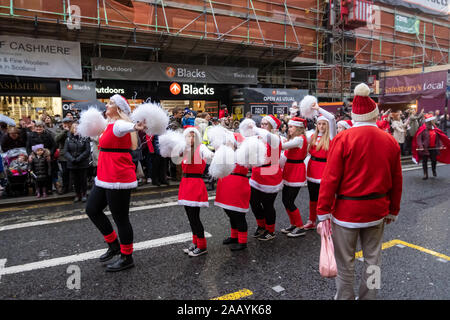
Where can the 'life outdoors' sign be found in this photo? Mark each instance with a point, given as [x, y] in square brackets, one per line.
[43, 58]
[155, 71]
[436, 7]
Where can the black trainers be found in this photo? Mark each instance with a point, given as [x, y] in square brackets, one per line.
[191, 248]
[259, 231]
[297, 232]
[197, 252]
[266, 236]
[238, 246]
[230, 240]
[124, 262]
[288, 230]
[113, 250]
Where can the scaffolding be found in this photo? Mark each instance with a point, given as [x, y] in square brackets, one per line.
[289, 40]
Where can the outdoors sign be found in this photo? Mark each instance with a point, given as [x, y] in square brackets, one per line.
[407, 24]
[43, 58]
[155, 71]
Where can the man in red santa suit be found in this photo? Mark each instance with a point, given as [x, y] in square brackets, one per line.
[430, 143]
[360, 193]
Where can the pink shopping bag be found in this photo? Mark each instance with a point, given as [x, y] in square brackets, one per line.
[327, 262]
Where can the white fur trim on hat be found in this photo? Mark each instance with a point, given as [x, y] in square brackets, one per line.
[322, 118]
[296, 123]
[430, 119]
[271, 121]
[121, 103]
[344, 124]
[365, 117]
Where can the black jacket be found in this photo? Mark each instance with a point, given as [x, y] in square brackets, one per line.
[41, 168]
[77, 151]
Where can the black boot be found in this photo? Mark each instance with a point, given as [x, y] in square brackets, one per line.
[238, 246]
[114, 249]
[124, 262]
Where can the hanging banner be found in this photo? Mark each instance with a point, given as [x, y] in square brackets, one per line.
[407, 24]
[75, 94]
[42, 58]
[436, 7]
[266, 100]
[154, 71]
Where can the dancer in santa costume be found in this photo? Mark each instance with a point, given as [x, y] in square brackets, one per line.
[344, 125]
[294, 174]
[431, 143]
[267, 180]
[318, 149]
[360, 192]
[233, 195]
[116, 177]
[192, 192]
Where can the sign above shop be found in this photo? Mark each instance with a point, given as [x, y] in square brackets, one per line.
[73, 92]
[42, 58]
[154, 71]
[29, 87]
[266, 100]
[437, 7]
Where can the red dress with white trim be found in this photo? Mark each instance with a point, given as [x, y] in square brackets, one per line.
[294, 171]
[233, 191]
[192, 190]
[316, 164]
[115, 169]
[268, 178]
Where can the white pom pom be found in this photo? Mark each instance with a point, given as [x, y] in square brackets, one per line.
[155, 117]
[92, 123]
[223, 162]
[305, 107]
[251, 152]
[219, 136]
[246, 127]
[362, 90]
[171, 144]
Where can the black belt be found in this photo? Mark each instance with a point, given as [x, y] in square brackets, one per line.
[239, 174]
[115, 150]
[265, 165]
[368, 197]
[294, 161]
[192, 175]
[319, 159]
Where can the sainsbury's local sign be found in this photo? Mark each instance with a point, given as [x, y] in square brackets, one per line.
[154, 71]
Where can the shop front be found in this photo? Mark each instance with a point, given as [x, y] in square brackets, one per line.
[29, 98]
[425, 91]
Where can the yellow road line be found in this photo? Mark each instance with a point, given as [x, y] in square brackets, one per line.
[392, 243]
[235, 295]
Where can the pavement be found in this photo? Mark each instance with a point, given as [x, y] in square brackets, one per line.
[49, 250]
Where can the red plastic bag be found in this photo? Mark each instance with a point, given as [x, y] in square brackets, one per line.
[327, 262]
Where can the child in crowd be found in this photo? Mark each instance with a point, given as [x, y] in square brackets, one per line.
[40, 168]
[19, 165]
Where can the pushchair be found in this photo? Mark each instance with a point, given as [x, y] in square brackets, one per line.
[17, 180]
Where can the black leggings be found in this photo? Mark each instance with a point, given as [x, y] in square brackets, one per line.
[262, 205]
[432, 157]
[289, 194]
[193, 214]
[237, 220]
[79, 179]
[118, 201]
[313, 189]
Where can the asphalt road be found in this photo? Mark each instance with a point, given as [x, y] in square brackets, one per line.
[416, 266]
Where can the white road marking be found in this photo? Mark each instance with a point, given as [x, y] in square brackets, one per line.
[278, 289]
[93, 254]
[417, 167]
[2, 266]
[84, 216]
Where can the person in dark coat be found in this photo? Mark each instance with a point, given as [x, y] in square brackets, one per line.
[60, 140]
[12, 140]
[40, 169]
[77, 151]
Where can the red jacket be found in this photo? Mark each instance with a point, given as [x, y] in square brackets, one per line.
[362, 161]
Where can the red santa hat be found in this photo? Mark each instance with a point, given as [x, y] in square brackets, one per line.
[274, 121]
[298, 122]
[363, 107]
[347, 124]
[429, 117]
[122, 103]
